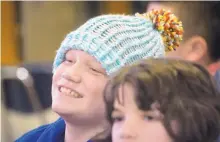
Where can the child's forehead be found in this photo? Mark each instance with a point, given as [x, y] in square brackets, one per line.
[81, 55]
[132, 108]
[125, 95]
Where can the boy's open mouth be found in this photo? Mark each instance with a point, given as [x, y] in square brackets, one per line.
[70, 92]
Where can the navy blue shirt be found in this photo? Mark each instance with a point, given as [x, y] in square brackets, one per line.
[53, 132]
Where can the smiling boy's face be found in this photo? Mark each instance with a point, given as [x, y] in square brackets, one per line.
[77, 87]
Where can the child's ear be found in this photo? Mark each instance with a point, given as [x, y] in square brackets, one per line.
[196, 48]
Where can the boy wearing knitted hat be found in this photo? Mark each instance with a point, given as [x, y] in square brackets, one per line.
[86, 58]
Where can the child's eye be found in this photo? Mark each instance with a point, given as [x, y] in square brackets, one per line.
[96, 70]
[93, 69]
[117, 119]
[67, 61]
[147, 117]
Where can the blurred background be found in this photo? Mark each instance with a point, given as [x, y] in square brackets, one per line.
[31, 32]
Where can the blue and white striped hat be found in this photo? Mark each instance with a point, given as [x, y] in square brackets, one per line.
[115, 41]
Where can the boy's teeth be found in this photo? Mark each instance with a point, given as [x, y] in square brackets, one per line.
[75, 95]
[70, 92]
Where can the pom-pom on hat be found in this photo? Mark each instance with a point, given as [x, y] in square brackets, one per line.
[119, 40]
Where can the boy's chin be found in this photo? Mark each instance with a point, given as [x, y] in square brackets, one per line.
[63, 110]
[67, 112]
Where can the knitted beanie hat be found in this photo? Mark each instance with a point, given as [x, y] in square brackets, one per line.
[119, 40]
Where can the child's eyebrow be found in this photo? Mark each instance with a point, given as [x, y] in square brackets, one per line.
[69, 55]
[93, 63]
[155, 113]
[96, 65]
[116, 109]
[155, 106]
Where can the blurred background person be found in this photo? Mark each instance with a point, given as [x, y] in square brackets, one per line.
[201, 41]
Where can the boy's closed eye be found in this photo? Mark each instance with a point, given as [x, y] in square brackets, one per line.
[96, 69]
[66, 61]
